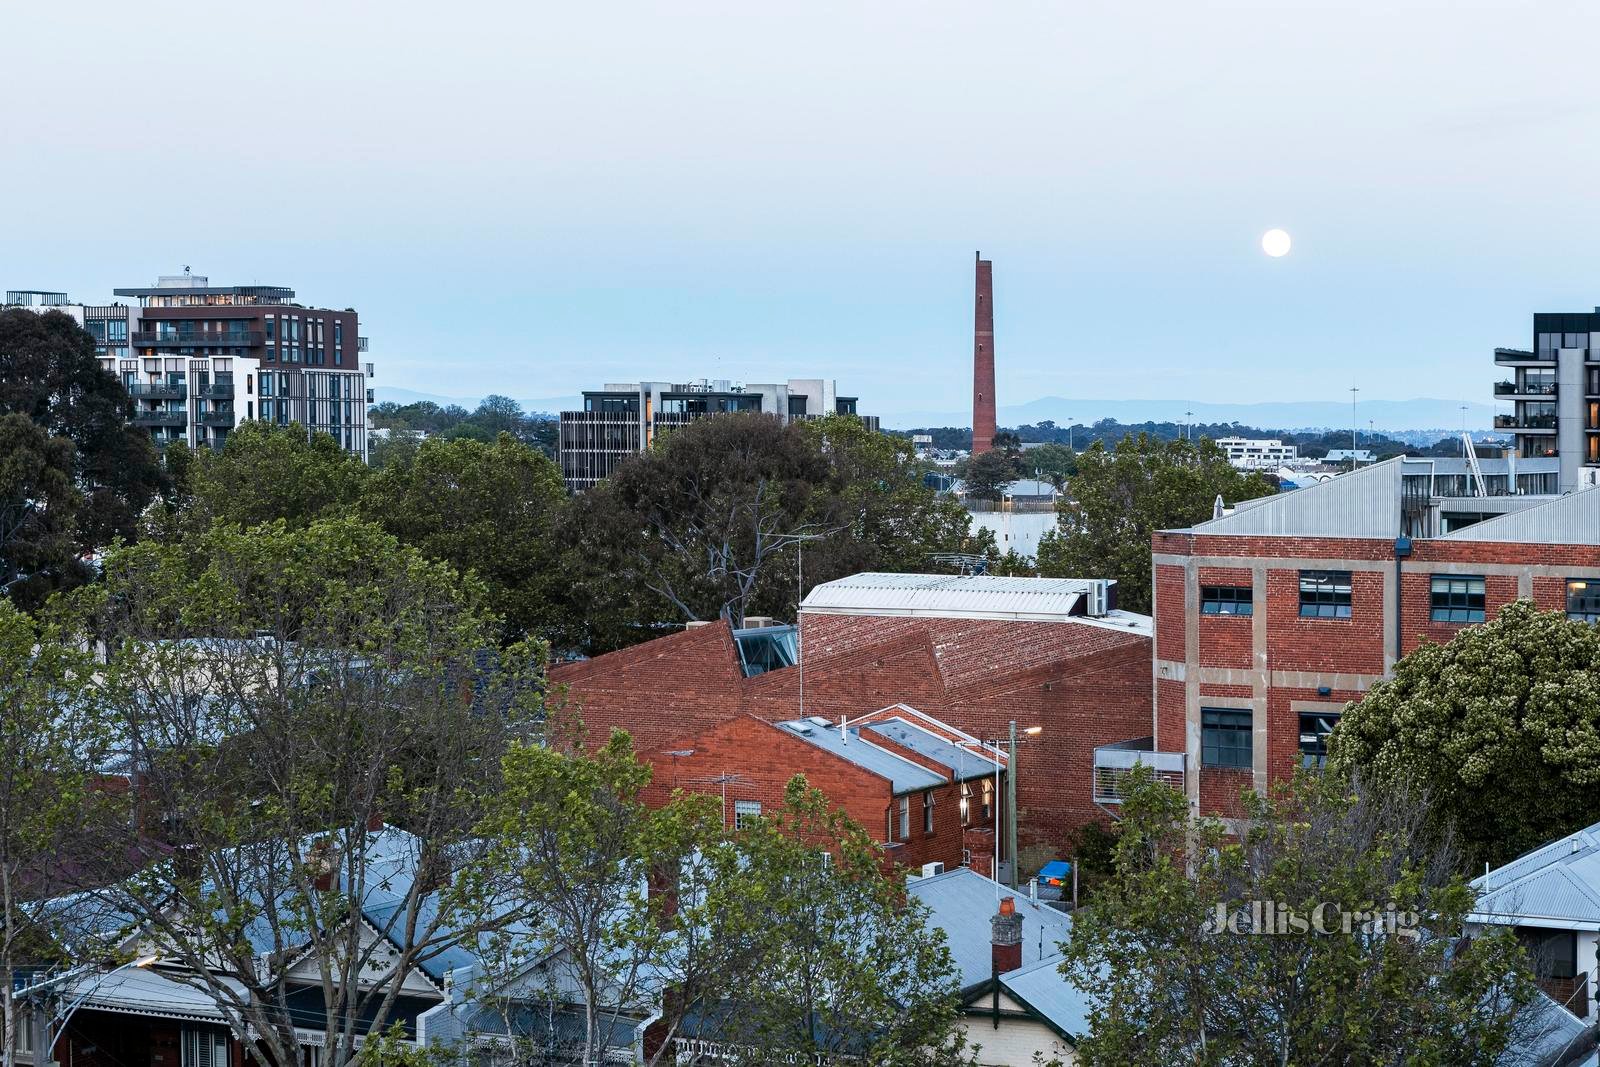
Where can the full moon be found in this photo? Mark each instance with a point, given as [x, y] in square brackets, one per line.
[1275, 243]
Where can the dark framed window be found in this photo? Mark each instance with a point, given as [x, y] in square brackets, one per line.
[1551, 953]
[1315, 726]
[1227, 600]
[1583, 599]
[1456, 598]
[1325, 594]
[927, 811]
[1226, 738]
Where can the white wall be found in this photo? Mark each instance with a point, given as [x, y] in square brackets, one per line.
[1015, 530]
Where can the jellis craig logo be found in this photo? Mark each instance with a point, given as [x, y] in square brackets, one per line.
[1264, 918]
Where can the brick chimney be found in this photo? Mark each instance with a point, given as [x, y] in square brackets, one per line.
[1005, 937]
[983, 359]
[978, 842]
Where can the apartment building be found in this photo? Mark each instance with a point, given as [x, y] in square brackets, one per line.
[198, 360]
[622, 419]
[1250, 453]
[1272, 617]
[1554, 390]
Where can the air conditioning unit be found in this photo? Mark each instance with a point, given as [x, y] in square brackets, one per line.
[931, 869]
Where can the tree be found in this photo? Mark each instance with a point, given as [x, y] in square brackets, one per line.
[988, 474]
[1051, 462]
[52, 810]
[488, 509]
[1329, 932]
[268, 473]
[38, 508]
[1122, 496]
[1502, 724]
[317, 718]
[50, 374]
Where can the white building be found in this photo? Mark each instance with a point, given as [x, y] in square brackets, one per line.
[1250, 453]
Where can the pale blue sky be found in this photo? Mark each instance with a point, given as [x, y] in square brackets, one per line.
[531, 198]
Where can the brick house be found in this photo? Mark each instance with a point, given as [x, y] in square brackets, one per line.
[973, 652]
[918, 787]
[1270, 619]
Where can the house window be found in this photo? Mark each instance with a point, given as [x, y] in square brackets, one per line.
[745, 813]
[1227, 600]
[1315, 726]
[1583, 599]
[988, 799]
[1225, 738]
[904, 812]
[966, 803]
[1456, 598]
[1551, 953]
[204, 1048]
[927, 811]
[1325, 594]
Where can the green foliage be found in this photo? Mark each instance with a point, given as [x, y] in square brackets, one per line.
[269, 473]
[491, 510]
[1300, 990]
[1502, 725]
[987, 474]
[38, 505]
[1050, 462]
[494, 416]
[1122, 496]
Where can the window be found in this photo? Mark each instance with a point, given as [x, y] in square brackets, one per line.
[745, 813]
[966, 803]
[1315, 726]
[1456, 598]
[904, 812]
[1552, 953]
[988, 799]
[797, 406]
[1325, 594]
[1225, 738]
[1583, 599]
[1227, 600]
[204, 1048]
[927, 811]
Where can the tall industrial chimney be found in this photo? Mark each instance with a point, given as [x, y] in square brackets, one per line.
[983, 359]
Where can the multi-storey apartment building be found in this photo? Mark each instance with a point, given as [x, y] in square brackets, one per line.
[1555, 391]
[1269, 619]
[199, 359]
[622, 419]
[1249, 453]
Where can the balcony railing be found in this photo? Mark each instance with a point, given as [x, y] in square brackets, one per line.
[1113, 763]
[1525, 422]
[199, 338]
[1525, 389]
[215, 418]
[158, 392]
[160, 418]
[361, 344]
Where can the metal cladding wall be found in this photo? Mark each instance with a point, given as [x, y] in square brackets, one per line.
[983, 359]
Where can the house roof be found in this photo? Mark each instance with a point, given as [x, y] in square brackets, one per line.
[972, 760]
[1573, 519]
[906, 776]
[1042, 988]
[953, 596]
[147, 991]
[1556, 885]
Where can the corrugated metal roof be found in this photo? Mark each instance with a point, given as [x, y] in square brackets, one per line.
[146, 991]
[1363, 503]
[964, 763]
[979, 596]
[1042, 988]
[1555, 885]
[1573, 519]
[961, 902]
[908, 777]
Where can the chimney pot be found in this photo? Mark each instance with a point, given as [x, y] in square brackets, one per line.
[1006, 937]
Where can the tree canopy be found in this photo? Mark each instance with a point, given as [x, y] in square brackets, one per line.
[1502, 724]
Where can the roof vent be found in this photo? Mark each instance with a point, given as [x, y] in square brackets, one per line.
[800, 726]
[818, 720]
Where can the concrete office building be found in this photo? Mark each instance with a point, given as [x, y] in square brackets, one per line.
[622, 419]
[1252, 454]
[1554, 388]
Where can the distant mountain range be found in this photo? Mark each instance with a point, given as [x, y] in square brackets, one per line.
[1422, 414]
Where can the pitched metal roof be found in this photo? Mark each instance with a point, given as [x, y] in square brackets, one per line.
[1556, 885]
[906, 776]
[1573, 519]
[961, 903]
[1042, 988]
[964, 762]
[146, 991]
[1363, 503]
[972, 596]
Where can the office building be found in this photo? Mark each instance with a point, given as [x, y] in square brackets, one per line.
[198, 360]
[622, 419]
[1554, 389]
[1258, 454]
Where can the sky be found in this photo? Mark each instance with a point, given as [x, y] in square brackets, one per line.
[536, 198]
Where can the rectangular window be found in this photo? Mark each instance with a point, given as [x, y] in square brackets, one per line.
[1551, 953]
[745, 813]
[1456, 598]
[1227, 600]
[1583, 599]
[1225, 738]
[1315, 726]
[988, 799]
[927, 811]
[204, 1048]
[1325, 594]
[966, 803]
[904, 812]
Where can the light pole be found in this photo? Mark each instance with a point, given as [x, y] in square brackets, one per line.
[993, 744]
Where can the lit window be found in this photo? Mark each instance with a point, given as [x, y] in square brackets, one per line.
[1227, 600]
[1583, 599]
[1456, 599]
[1226, 738]
[1325, 594]
[745, 813]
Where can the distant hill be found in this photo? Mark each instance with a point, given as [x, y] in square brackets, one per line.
[1442, 416]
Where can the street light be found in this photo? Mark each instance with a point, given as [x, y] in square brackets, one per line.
[1011, 741]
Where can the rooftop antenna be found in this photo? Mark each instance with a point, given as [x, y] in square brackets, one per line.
[1354, 422]
[721, 779]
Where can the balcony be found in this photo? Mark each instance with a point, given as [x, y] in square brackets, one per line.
[215, 418]
[1521, 355]
[1526, 423]
[221, 389]
[160, 418]
[199, 338]
[1113, 762]
[361, 344]
[1525, 389]
[158, 392]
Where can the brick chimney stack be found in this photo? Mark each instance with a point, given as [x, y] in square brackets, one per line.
[1006, 937]
[983, 359]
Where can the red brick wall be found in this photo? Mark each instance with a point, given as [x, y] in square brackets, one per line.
[1352, 646]
[1169, 617]
[1171, 716]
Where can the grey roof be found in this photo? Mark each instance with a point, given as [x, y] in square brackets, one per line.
[1556, 885]
[1042, 988]
[1363, 503]
[906, 776]
[1573, 519]
[964, 762]
[979, 596]
[146, 991]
